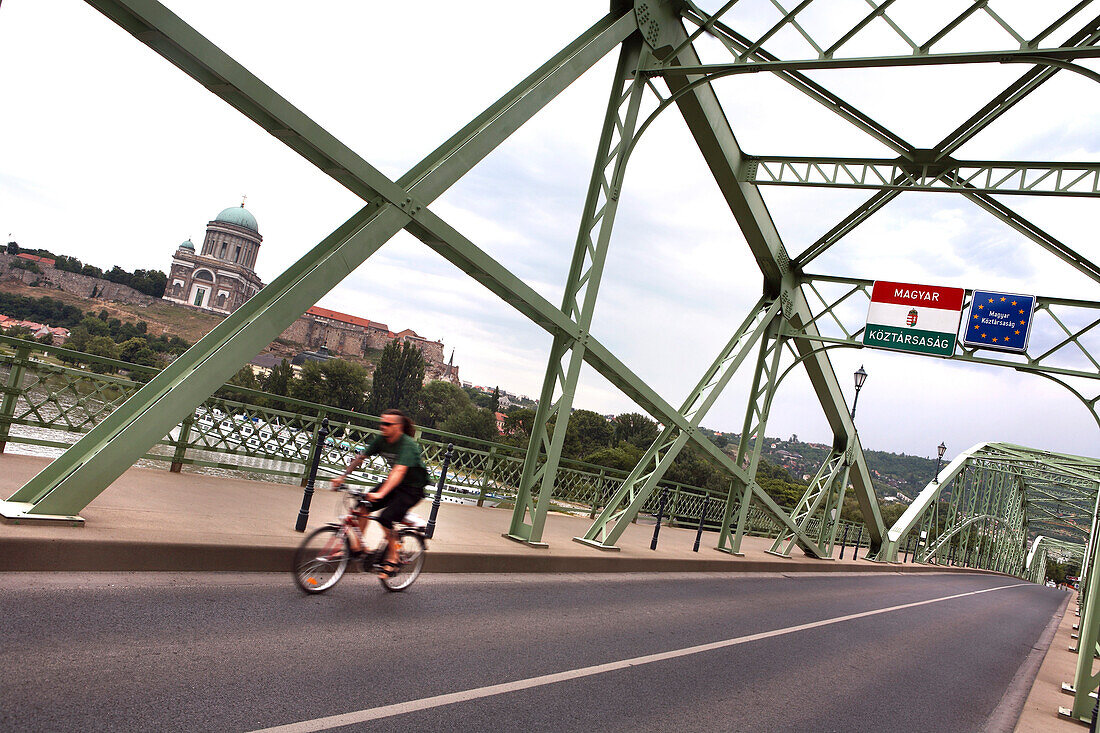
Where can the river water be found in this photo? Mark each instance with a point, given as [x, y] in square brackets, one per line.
[243, 462]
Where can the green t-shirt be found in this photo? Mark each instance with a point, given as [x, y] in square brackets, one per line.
[402, 452]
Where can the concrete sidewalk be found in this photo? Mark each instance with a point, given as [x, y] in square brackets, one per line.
[155, 520]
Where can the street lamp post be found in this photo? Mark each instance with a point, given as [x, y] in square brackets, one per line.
[940, 450]
[860, 377]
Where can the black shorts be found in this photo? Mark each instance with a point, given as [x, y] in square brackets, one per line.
[395, 504]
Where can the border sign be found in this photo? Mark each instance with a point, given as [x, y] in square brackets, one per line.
[921, 319]
[1000, 321]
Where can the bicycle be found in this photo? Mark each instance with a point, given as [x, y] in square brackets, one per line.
[323, 557]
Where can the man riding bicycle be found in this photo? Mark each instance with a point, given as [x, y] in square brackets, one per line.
[403, 487]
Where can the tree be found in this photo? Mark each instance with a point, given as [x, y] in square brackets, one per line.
[101, 346]
[518, 424]
[624, 456]
[335, 382]
[13, 248]
[346, 383]
[473, 422]
[96, 326]
[479, 398]
[244, 377]
[587, 432]
[438, 401]
[279, 380]
[635, 428]
[494, 406]
[397, 379]
[137, 351]
[691, 468]
[309, 385]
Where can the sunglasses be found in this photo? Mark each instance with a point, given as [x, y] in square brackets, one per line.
[384, 424]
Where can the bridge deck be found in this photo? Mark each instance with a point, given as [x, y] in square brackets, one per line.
[155, 520]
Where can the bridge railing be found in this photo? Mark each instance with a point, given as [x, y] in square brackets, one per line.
[48, 403]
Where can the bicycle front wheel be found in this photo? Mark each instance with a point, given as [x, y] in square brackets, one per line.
[411, 556]
[321, 560]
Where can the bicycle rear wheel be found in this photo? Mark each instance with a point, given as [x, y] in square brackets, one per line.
[321, 559]
[411, 554]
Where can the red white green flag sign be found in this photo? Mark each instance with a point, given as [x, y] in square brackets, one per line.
[919, 318]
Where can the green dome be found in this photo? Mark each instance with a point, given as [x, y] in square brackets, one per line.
[187, 245]
[240, 216]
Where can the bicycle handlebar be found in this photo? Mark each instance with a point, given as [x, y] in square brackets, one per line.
[357, 493]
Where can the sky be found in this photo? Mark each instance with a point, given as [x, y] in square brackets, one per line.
[110, 154]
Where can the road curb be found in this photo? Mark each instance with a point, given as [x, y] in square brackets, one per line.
[42, 554]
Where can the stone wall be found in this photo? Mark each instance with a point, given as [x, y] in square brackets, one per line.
[377, 338]
[339, 338]
[347, 339]
[432, 350]
[71, 282]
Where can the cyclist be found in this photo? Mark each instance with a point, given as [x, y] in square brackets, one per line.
[403, 487]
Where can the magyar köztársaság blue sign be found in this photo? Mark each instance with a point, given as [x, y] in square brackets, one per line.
[999, 320]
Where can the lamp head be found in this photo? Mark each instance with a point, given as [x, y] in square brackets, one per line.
[860, 377]
[941, 449]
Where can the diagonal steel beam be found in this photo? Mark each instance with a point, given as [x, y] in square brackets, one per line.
[1033, 232]
[1032, 178]
[71, 481]
[628, 499]
[831, 101]
[1059, 53]
[714, 136]
[1028, 82]
[540, 465]
[83, 471]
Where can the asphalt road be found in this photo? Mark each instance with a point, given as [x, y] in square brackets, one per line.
[228, 652]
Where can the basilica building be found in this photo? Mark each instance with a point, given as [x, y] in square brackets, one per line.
[222, 277]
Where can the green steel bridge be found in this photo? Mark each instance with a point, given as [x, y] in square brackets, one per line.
[995, 506]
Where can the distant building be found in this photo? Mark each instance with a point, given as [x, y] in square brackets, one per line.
[264, 363]
[222, 277]
[44, 261]
[349, 335]
[57, 334]
[321, 355]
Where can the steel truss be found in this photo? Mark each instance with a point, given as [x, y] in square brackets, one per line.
[1063, 347]
[999, 492]
[979, 509]
[540, 467]
[1045, 548]
[1004, 177]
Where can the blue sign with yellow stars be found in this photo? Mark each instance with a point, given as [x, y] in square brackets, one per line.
[999, 321]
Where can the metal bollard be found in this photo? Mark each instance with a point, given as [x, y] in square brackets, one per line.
[660, 516]
[844, 540]
[307, 497]
[699, 532]
[429, 531]
[908, 544]
[855, 547]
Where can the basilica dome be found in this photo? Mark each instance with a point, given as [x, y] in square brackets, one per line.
[240, 216]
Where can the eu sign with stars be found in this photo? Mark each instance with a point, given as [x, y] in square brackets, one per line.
[999, 321]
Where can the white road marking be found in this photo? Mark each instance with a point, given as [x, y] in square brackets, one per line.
[387, 711]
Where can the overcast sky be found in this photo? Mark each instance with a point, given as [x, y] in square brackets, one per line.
[110, 154]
